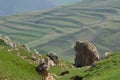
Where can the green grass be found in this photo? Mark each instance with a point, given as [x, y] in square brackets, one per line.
[106, 69]
[97, 21]
[12, 67]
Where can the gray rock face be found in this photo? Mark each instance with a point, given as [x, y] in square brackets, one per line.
[43, 68]
[36, 51]
[26, 47]
[53, 57]
[106, 54]
[86, 53]
[7, 41]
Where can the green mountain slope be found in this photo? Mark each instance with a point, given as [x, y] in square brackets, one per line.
[58, 29]
[106, 69]
[13, 67]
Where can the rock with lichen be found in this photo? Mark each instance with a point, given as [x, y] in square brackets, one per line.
[86, 53]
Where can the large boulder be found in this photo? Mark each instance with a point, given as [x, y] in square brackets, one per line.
[86, 53]
[53, 57]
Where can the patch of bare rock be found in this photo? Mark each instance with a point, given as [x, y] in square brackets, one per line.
[7, 41]
[44, 66]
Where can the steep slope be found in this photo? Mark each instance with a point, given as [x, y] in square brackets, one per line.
[14, 67]
[106, 69]
[58, 29]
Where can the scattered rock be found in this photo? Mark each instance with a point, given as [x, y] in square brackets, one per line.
[26, 47]
[39, 55]
[33, 57]
[23, 57]
[77, 78]
[106, 54]
[36, 51]
[10, 50]
[8, 41]
[49, 77]
[72, 67]
[16, 49]
[63, 65]
[64, 73]
[51, 63]
[6, 38]
[43, 68]
[86, 53]
[53, 57]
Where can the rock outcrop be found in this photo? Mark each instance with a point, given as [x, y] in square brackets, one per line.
[36, 51]
[106, 54]
[44, 67]
[26, 47]
[7, 41]
[53, 57]
[86, 53]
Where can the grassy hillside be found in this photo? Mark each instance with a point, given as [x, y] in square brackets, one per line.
[13, 67]
[58, 29]
[107, 69]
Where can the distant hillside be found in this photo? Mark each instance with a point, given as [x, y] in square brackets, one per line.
[58, 29]
[9, 7]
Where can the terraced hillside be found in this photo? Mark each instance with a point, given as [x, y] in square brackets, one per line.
[58, 29]
[10, 7]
